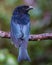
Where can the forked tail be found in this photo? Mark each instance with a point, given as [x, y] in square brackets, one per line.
[23, 54]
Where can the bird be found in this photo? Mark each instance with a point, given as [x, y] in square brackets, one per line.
[20, 30]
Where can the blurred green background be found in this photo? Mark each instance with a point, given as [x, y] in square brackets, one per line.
[41, 22]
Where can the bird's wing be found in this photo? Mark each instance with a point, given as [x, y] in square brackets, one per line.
[15, 29]
[15, 33]
[26, 31]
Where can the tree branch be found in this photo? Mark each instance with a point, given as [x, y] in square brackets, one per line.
[32, 37]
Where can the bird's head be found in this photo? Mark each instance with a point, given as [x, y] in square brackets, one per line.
[24, 8]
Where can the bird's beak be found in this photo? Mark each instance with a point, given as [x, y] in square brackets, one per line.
[30, 7]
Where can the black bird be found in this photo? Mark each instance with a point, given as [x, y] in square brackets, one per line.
[20, 30]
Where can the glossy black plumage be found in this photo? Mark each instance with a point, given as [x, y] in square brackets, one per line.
[20, 30]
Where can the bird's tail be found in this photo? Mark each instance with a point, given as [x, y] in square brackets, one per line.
[23, 54]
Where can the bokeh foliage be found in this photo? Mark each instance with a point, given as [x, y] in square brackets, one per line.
[41, 22]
